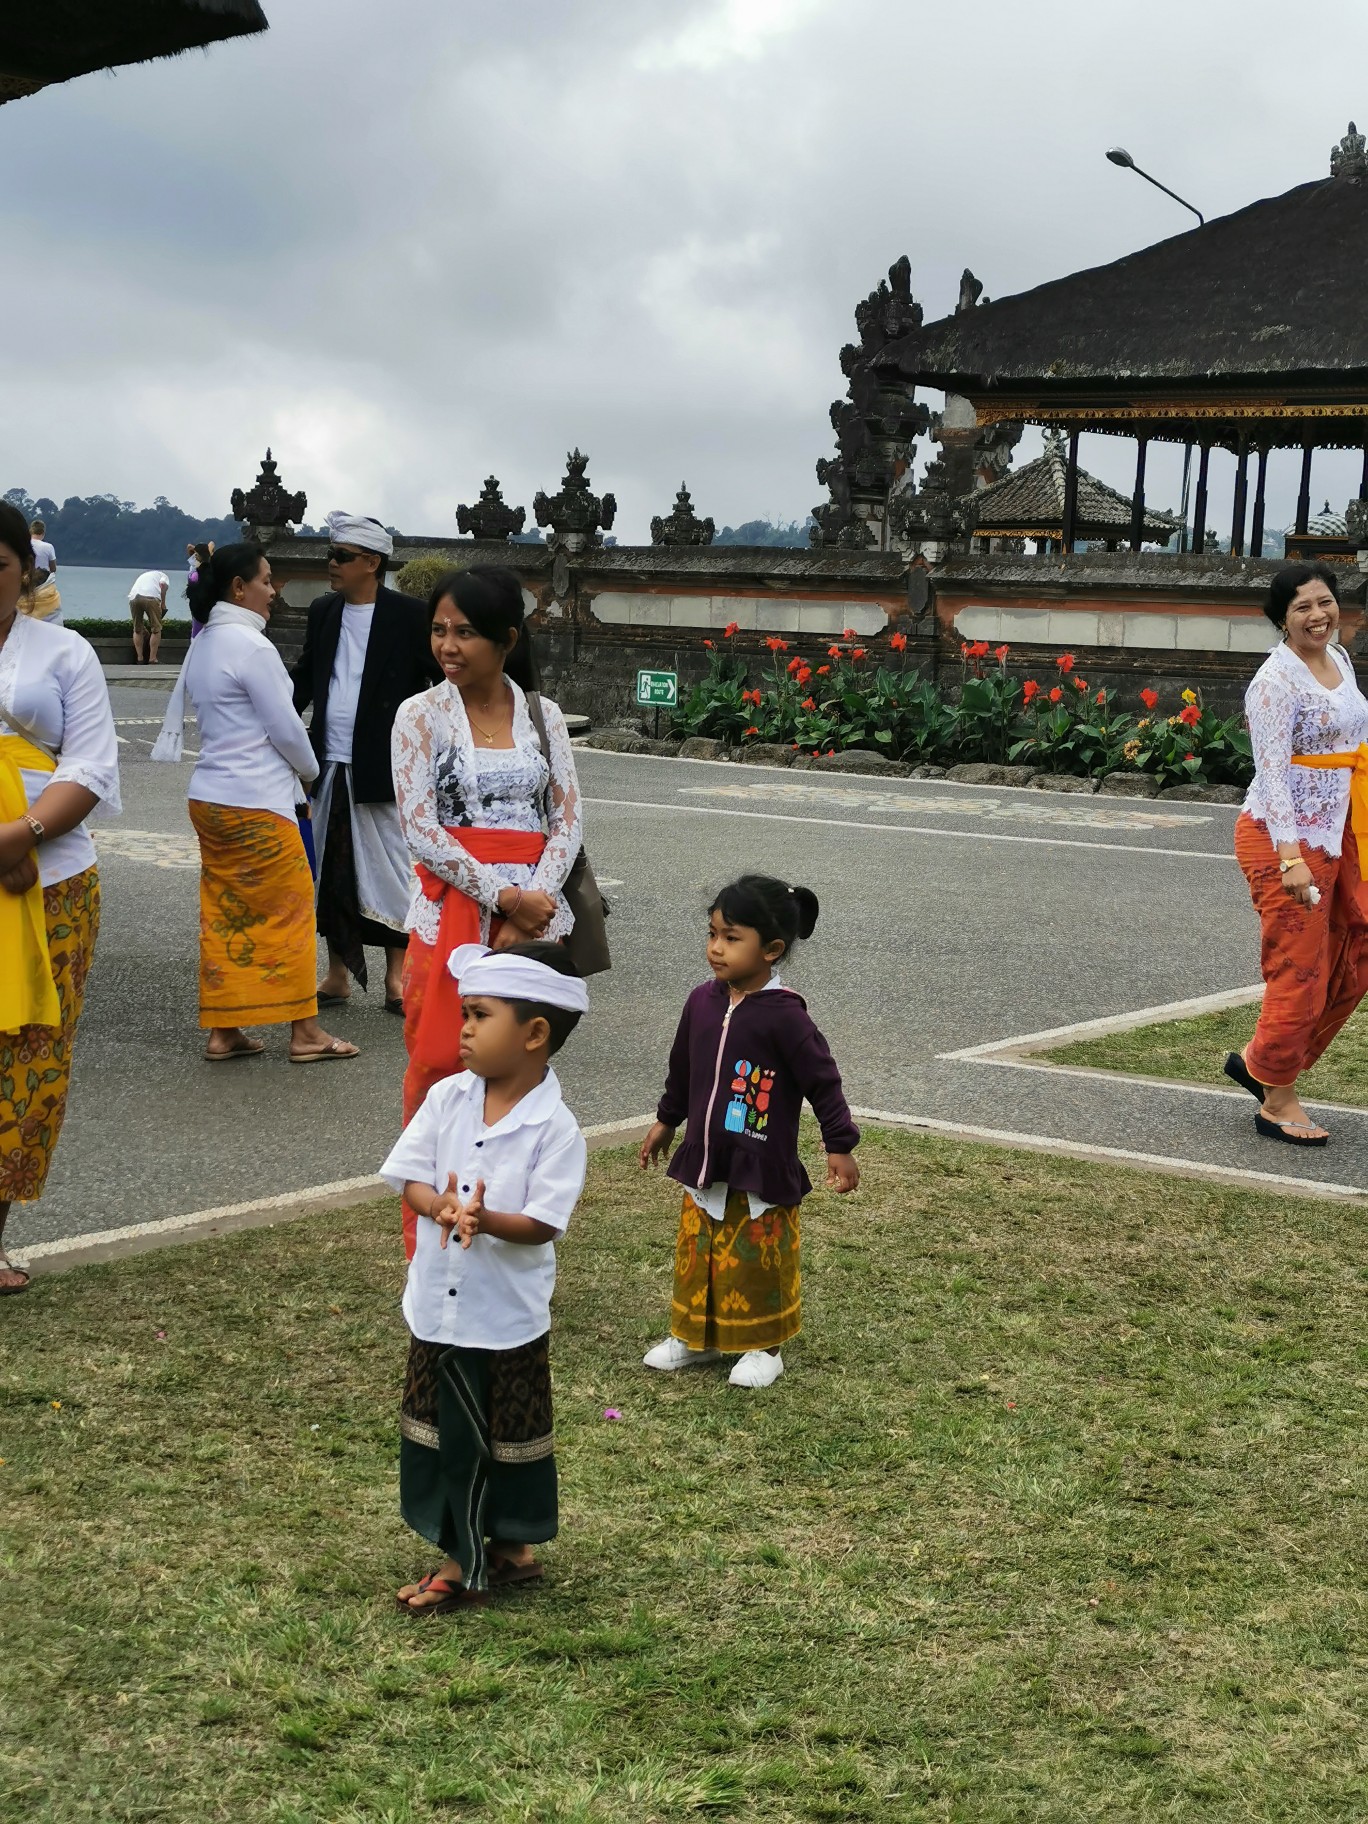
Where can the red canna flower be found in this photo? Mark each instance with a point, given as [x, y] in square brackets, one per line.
[751, 696]
[731, 628]
[979, 649]
[849, 633]
[752, 730]
[1190, 716]
[1189, 756]
[1030, 689]
[708, 644]
[833, 652]
[1101, 697]
[805, 674]
[1000, 654]
[776, 645]
[830, 752]
[1079, 683]
[808, 703]
[859, 653]
[1149, 698]
[794, 664]
[824, 671]
[1065, 662]
[816, 753]
[898, 641]
[1056, 695]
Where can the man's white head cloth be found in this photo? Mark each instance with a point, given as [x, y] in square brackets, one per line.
[515, 978]
[365, 534]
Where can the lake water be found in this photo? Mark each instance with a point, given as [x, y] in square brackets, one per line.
[96, 592]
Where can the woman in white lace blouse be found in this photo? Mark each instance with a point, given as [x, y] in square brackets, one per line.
[493, 830]
[1298, 841]
[58, 760]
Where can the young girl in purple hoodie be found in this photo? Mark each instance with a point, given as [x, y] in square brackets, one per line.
[744, 1059]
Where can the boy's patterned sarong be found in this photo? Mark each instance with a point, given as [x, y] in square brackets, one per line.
[258, 954]
[35, 1061]
[1314, 958]
[738, 1282]
[477, 1449]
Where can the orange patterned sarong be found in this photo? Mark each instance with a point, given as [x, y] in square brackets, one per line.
[258, 953]
[1314, 958]
[737, 1283]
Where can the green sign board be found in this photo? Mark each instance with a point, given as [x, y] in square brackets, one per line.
[658, 689]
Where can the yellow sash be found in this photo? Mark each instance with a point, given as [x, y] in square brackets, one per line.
[1358, 793]
[28, 994]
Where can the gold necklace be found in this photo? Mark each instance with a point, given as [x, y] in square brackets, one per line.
[483, 732]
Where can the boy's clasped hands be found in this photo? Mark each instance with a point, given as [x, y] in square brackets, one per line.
[450, 1212]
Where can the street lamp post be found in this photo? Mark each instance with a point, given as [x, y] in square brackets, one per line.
[1119, 156]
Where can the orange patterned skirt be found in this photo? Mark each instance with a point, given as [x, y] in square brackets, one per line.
[35, 1061]
[738, 1282]
[258, 953]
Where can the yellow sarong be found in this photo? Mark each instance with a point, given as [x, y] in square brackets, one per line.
[28, 994]
[1358, 792]
[42, 603]
[257, 946]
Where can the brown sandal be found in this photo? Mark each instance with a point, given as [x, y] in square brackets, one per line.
[7, 1265]
[504, 1572]
[452, 1596]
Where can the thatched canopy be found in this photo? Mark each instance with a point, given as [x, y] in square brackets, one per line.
[1030, 503]
[59, 39]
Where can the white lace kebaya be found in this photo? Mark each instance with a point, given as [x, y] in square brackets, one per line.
[442, 782]
[1290, 713]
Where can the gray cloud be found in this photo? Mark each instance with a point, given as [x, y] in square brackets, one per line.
[410, 246]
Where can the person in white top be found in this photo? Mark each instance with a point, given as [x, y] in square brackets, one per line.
[494, 1157]
[147, 602]
[44, 557]
[58, 761]
[257, 950]
[42, 601]
[1302, 842]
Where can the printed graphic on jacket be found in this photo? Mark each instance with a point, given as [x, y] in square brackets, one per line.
[748, 1110]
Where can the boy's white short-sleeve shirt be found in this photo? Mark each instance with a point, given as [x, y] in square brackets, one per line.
[494, 1294]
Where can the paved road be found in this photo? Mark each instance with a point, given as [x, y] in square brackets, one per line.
[951, 916]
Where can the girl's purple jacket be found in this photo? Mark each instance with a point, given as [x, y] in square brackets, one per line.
[739, 1076]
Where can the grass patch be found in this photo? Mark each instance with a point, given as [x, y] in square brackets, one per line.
[1058, 1514]
[1193, 1051]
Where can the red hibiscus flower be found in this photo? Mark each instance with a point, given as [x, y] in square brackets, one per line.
[1190, 716]
[1056, 695]
[1149, 698]
[731, 628]
[776, 645]
[898, 641]
[1065, 662]
[1030, 689]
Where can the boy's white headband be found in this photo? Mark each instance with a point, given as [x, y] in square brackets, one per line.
[515, 978]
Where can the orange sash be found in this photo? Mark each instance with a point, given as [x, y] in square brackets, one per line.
[1358, 792]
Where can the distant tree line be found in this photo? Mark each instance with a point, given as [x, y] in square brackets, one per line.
[102, 529]
[766, 532]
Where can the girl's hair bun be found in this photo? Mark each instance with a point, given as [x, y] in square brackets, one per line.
[806, 902]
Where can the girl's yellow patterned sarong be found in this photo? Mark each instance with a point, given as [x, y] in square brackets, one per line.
[257, 946]
[35, 1061]
[738, 1282]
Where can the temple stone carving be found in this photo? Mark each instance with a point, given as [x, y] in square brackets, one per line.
[576, 517]
[266, 507]
[491, 518]
[682, 526]
[1350, 157]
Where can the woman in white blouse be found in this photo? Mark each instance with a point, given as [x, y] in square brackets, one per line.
[58, 760]
[1302, 841]
[257, 946]
[493, 830]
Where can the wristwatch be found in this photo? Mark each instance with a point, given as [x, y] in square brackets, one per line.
[39, 833]
[1297, 861]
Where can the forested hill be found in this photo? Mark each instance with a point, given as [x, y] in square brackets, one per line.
[102, 529]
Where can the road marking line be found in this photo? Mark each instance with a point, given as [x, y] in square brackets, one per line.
[312, 1193]
[1097, 1074]
[911, 829]
[1077, 1149]
[1110, 1023]
[1061, 811]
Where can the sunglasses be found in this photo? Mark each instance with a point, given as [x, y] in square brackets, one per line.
[336, 555]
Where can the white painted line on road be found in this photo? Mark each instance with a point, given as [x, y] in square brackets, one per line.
[227, 1212]
[912, 829]
[1110, 1023]
[1098, 1075]
[1077, 1149]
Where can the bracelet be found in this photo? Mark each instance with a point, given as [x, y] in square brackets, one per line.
[39, 832]
[516, 903]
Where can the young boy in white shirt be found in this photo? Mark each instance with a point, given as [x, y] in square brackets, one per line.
[494, 1157]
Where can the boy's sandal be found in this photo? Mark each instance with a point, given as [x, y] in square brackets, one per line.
[1238, 1072]
[452, 1596]
[504, 1572]
[1278, 1130]
[11, 1263]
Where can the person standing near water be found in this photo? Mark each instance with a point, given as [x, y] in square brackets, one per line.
[147, 602]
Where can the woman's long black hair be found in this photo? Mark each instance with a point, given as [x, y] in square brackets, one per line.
[217, 573]
[491, 599]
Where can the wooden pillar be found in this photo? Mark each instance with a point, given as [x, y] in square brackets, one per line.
[1363, 482]
[1304, 497]
[1137, 529]
[1241, 500]
[1199, 510]
[1070, 494]
[1257, 528]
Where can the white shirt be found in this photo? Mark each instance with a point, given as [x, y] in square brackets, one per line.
[52, 684]
[44, 557]
[253, 746]
[345, 686]
[150, 584]
[1290, 713]
[494, 1294]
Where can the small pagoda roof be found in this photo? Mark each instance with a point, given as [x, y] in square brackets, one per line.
[1275, 289]
[65, 38]
[1029, 503]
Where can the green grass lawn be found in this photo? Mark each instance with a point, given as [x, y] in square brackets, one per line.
[1058, 1515]
[1194, 1051]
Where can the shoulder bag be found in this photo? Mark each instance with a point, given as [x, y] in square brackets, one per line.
[588, 942]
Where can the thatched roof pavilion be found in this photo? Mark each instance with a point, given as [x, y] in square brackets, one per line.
[1030, 503]
[65, 38]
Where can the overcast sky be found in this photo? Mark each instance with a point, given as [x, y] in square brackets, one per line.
[411, 244]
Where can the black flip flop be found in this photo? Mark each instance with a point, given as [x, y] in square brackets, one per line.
[394, 1005]
[1238, 1072]
[505, 1573]
[1277, 1130]
[332, 1000]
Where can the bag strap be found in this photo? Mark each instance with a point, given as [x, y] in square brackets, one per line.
[535, 711]
[26, 734]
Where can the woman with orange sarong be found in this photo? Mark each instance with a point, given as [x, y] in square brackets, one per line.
[257, 946]
[1302, 841]
[58, 760]
[492, 829]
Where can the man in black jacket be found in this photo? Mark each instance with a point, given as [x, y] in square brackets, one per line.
[367, 648]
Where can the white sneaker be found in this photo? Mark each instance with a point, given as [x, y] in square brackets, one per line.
[757, 1368]
[672, 1354]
